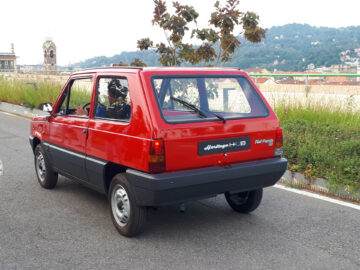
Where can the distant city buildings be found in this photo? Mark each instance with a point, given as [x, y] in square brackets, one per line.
[8, 61]
[350, 64]
[50, 60]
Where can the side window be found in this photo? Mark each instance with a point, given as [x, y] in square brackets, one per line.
[77, 98]
[113, 99]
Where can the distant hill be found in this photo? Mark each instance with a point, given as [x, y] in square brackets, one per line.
[288, 47]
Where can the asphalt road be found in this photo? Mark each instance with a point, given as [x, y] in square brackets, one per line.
[70, 227]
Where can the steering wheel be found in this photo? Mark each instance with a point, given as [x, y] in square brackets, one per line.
[85, 105]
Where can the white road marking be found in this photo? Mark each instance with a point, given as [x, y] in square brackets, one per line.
[319, 197]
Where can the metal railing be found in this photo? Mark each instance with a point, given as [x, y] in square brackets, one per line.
[303, 75]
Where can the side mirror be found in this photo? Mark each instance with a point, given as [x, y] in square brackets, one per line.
[46, 107]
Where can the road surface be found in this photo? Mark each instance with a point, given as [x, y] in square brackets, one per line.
[70, 227]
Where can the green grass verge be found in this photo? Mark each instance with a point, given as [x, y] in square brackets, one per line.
[322, 143]
[18, 92]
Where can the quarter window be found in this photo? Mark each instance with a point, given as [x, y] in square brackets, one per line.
[113, 99]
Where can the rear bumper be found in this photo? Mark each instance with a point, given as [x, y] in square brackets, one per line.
[166, 188]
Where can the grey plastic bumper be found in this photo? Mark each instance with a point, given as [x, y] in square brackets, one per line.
[166, 188]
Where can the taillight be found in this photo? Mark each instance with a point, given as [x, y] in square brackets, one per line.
[278, 142]
[157, 156]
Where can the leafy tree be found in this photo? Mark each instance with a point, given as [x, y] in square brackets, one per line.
[218, 41]
[137, 63]
[121, 64]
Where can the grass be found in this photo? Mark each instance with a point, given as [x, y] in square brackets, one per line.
[296, 186]
[322, 142]
[18, 92]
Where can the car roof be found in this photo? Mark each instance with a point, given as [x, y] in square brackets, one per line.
[154, 69]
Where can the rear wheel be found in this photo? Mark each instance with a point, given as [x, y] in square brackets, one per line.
[128, 218]
[46, 176]
[244, 202]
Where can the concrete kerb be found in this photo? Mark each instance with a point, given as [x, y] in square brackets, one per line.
[289, 178]
[20, 110]
[299, 180]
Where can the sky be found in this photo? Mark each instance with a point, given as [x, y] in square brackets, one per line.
[84, 29]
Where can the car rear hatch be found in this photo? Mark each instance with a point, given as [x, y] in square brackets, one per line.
[213, 120]
[219, 144]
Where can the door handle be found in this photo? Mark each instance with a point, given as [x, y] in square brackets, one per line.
[84, 130]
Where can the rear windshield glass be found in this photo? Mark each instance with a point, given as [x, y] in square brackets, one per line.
[192, 99]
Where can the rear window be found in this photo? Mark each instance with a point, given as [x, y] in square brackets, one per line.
[192, 99]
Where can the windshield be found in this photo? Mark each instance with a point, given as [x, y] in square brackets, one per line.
[190, 99]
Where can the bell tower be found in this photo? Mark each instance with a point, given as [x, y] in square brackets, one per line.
[49, 49]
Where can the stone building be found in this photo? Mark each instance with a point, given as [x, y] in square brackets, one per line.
[49, 49]
[8, 61]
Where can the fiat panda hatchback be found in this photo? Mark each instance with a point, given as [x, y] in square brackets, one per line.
[148, 137]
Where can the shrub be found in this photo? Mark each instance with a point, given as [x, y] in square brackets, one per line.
[321, 142]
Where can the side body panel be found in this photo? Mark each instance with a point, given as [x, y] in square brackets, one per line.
[124, 143]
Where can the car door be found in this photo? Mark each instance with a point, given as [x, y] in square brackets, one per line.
[68, 128]
[109, 139]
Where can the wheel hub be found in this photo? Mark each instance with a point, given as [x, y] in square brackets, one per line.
[41, 168]
[120, 205]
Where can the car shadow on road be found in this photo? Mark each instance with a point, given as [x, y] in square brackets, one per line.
[205, 217]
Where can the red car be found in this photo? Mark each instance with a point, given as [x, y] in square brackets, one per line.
[155, 136]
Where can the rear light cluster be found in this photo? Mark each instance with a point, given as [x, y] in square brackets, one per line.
[157, 156]
[278, 142]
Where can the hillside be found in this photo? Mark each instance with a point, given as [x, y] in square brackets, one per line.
[288, 47]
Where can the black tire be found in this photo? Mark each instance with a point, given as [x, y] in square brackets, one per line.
[244, 202]
[46, 176]
[128, 218]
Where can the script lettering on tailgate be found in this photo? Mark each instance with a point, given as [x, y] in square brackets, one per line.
[270, 142]
[225, 145]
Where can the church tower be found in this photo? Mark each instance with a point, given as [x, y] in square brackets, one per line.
[49, 50]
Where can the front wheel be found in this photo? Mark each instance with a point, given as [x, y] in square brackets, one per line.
[244, 202]
[45, 174]
[128, 218]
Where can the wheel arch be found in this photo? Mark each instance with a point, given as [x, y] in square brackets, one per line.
[34, 142]
[112, 169]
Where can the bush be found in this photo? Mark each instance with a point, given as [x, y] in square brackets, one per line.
[322, 143]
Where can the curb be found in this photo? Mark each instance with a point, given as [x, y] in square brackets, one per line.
[319, 184]
[21, 111]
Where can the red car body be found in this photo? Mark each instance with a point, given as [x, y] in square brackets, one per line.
[93, 150]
